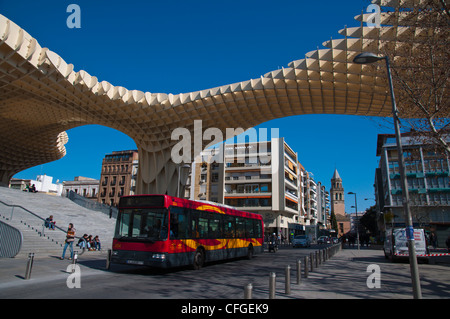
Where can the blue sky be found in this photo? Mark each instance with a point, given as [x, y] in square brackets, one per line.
[183, 46]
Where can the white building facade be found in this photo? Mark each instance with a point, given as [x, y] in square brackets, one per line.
[260, 177]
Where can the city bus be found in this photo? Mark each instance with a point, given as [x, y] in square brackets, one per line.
[164, 231]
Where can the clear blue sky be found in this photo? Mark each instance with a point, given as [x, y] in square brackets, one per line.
[183, 46]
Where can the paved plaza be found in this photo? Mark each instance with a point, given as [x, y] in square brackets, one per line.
[344, 276]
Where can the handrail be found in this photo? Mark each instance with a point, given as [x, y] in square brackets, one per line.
[35, 215]
[92, 205]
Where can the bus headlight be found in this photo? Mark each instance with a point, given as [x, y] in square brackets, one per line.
[160, 257]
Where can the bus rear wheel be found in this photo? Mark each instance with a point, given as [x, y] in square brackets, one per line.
[199, 259]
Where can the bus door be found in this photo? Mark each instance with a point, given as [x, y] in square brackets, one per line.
[229, 232]
[180, 233]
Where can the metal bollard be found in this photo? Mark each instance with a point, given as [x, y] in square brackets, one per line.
[316, 256]
[306, 267]
[287, 284]
[311, 256]
[248, 291]
[272, 285]
[29, 266]
[108, 259]
[299, 271]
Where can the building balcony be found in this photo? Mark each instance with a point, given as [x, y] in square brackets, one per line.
[290, 212]
[439, 190]
[248, 194]
[291, 195]
[241, 179]
[291, 158]
[422, 190]
[437, 173]
[260, 202]
[254, 208]
[289, 170]
[290, 183]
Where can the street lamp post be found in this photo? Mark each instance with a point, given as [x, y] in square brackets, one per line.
[365, 58]
[179, 177]
[357, 221]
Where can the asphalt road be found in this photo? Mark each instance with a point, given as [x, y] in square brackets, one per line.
[225, 279]
[343, 276]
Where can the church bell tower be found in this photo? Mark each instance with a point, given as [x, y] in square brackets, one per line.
[337, 195]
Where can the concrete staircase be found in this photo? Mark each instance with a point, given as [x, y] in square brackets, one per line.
[34, 240]
[45, 242]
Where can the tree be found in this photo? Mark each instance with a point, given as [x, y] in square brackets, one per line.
[369, 220]
[420, 62]
[333, 221]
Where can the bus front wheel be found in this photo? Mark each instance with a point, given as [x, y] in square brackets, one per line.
[199, 259]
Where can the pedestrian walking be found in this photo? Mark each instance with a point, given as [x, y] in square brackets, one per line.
[70, 238]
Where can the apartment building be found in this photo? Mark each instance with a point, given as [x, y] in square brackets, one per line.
[303, 178]
[427, 172]
[323, 206]
[206, 177]
[260, 177]
[263, 178]
[84, 186]
[316, 206]
[118, 176]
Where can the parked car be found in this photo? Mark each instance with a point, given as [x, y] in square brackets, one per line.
[335, 240]
[324, 240]
[301, 241]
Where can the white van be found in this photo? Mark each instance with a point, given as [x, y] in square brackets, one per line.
[396, 243]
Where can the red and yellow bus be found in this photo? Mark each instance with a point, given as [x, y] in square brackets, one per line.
[165, 231]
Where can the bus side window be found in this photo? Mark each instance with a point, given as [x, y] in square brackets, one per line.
[215, 226]
[203, 228]
[249, 229]
[229, 226]
[195, 231]
[240, 227]
[179, 223]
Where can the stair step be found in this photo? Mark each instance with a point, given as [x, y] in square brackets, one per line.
[46, 241]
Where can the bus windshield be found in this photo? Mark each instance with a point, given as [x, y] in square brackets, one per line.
[145, 224]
